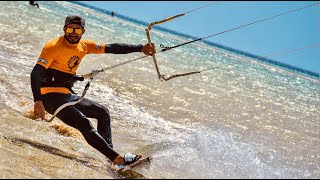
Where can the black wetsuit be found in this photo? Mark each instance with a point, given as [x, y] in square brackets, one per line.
[77, 115]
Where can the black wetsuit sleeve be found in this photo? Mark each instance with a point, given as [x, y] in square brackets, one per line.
[37, 75]
[121, 48]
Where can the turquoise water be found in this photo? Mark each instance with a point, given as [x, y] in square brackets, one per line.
[242, 119]
[104, 10]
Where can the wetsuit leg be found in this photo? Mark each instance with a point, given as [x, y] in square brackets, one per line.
[75, 118]
[94, 110]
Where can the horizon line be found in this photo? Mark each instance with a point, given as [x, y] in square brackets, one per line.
[240, 52]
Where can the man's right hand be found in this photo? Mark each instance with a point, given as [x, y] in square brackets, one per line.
[39, 110]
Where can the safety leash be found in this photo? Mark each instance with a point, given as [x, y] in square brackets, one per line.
[90, 76]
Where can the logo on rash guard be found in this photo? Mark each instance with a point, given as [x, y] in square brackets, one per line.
[43, 61]
[73, 62]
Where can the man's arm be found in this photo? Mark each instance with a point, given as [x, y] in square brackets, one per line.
[36, 76]
[121, 48]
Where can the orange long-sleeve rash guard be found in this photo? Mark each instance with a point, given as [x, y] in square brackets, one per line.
[60, 55]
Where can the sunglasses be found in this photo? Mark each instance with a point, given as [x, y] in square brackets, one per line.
[77, 30]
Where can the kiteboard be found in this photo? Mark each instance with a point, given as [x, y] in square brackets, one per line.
[128, 171]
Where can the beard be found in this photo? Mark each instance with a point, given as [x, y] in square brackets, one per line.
[72, 39]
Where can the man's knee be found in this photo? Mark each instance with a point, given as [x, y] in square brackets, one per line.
[104, 112]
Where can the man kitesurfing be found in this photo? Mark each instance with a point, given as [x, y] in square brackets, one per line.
[54, 75]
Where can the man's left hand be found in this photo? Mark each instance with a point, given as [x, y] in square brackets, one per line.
[148, 49]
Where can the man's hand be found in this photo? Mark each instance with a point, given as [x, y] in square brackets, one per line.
[148, 49]
[39, 110]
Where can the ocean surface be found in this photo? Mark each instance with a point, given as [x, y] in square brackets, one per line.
[241, 119]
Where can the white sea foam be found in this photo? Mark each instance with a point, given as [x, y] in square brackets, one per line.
[242, 119]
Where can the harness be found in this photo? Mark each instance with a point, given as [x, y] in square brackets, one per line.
[55, 78]
[68, 83]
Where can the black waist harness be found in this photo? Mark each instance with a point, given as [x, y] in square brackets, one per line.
[55, 78]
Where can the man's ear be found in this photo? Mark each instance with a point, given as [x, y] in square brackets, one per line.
[84, 31]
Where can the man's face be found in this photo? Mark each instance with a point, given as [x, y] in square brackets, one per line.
[71, 35]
